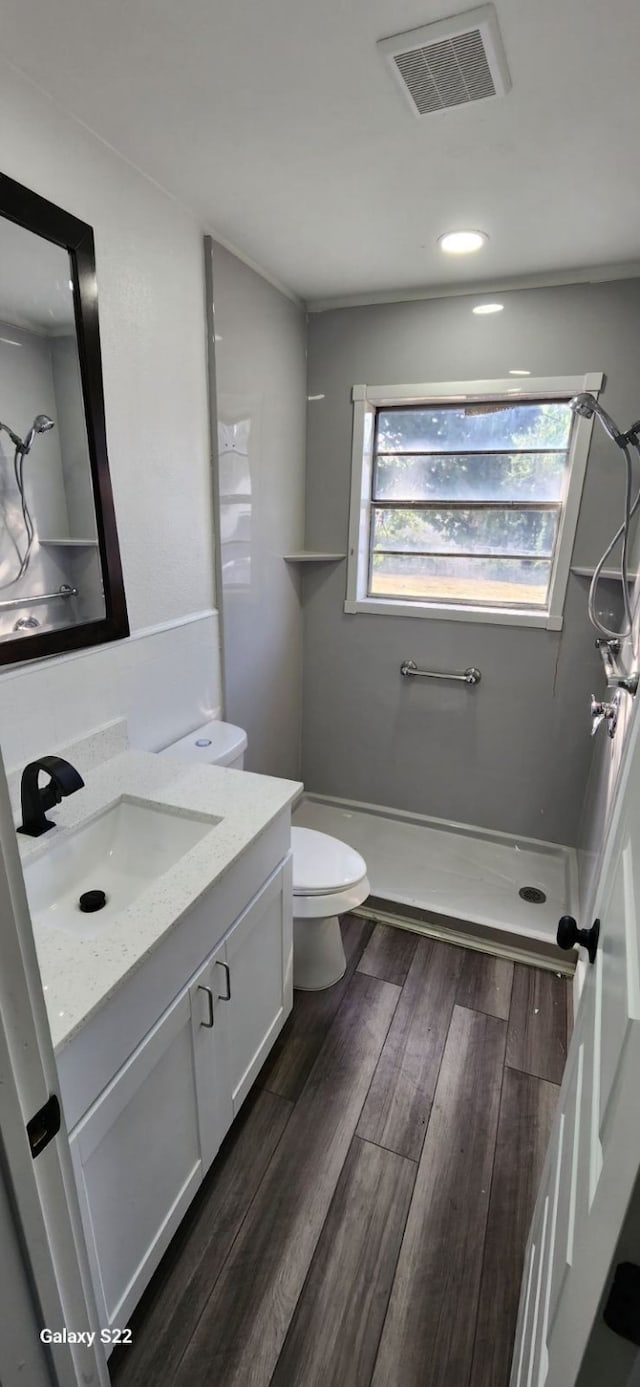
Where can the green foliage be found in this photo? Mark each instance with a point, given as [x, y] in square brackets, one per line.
[477, 472]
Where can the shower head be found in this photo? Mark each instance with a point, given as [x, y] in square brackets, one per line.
[41, 424]
[586, 406]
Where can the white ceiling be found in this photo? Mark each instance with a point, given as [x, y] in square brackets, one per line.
[278, 124]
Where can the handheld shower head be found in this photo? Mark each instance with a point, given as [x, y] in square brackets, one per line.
[41, 424]
[586, 406]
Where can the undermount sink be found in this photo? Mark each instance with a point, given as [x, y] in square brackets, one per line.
[120, 853]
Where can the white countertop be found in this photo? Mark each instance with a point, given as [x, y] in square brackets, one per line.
[79, 974]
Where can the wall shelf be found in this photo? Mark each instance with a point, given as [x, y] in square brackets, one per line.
[69, 543]
[613, 573]
[313, 556]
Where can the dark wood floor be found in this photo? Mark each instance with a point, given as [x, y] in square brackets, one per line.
[365, 1220]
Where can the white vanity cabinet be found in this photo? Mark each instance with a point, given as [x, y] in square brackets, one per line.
[256, 976]
[142, 1149]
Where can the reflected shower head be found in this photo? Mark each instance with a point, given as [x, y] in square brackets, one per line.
[586, 406]
[41, 424]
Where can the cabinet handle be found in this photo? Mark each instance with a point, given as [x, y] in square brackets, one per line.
[227, 996]
[209, 1023]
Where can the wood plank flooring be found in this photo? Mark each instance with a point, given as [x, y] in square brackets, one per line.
[537, 1035]
[398, 1104]
[364, 1223]
[524, 1127]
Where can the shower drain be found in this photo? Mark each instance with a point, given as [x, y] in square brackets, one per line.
[532, 894]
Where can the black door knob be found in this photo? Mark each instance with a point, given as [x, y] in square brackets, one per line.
[569, 935]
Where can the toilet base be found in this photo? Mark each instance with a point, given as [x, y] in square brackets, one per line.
[318, 953]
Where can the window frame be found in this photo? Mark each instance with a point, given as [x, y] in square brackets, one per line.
[367, 400]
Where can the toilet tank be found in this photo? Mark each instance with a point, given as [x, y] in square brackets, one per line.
[215, 743]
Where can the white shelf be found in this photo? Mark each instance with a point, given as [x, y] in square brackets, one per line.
[313, 556]
[613, 573]
[68, 543]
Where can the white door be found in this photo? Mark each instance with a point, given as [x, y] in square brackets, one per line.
[40, 1192]
[255, 981]
[594, 1155]
[23, 1358]
[210, 1055]
[142, 1150]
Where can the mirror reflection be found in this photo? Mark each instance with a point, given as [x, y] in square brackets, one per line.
[50, 570]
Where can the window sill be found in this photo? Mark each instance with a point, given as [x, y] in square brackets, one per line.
[494, 616]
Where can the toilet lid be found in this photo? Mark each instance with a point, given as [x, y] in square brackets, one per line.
[322, 864]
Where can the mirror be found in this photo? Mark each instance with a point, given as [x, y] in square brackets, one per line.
[60, 573]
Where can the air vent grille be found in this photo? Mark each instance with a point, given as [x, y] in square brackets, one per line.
[450, 63]
[447, 74]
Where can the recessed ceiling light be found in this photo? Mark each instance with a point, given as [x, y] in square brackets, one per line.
[482, 308]
[462, 242]
[519, 373]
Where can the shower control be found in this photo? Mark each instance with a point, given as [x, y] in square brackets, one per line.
[569, 935]
[605, 712]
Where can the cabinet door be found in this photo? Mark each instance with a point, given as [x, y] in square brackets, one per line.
[208, 1021]
[255, 981]
[142, 1149]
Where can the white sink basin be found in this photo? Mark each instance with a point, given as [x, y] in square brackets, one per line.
[120, 852]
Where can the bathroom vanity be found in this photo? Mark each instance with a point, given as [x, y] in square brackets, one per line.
[163, 1013]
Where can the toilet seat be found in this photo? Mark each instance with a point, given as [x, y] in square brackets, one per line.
[324, 866]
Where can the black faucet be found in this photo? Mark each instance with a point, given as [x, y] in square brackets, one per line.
[64, 781]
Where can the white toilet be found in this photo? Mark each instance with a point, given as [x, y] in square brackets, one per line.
[329, 878]
[215, 743]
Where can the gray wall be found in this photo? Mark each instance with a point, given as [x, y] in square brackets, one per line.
[72, 429]
[515, 753]
[260, 356]
[83, 564]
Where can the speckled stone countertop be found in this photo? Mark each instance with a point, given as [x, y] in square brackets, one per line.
[79, 974]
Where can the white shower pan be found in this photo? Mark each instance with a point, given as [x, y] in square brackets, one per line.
[455, 870]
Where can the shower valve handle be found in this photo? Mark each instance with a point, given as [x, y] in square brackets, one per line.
[604, 712]
[569, 935]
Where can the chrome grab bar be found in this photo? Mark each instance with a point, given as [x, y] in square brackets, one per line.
[409, 670]
[614, 676]
[15, 602]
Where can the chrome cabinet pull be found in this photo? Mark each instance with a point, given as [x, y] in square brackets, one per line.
[227, 995]
[209, 1023]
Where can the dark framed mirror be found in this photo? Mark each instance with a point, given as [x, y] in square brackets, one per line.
[61, 585]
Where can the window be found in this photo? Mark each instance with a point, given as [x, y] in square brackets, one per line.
[465, 500]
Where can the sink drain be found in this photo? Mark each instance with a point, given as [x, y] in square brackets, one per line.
[91, 901]
[532, 894]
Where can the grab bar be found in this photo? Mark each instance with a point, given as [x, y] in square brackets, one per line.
[14, 602]
[615, 678]
[409, 670]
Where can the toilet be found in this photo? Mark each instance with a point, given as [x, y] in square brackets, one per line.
[215, 743]
[329, 878]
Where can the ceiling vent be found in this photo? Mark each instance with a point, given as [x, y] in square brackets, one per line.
[450, 63]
